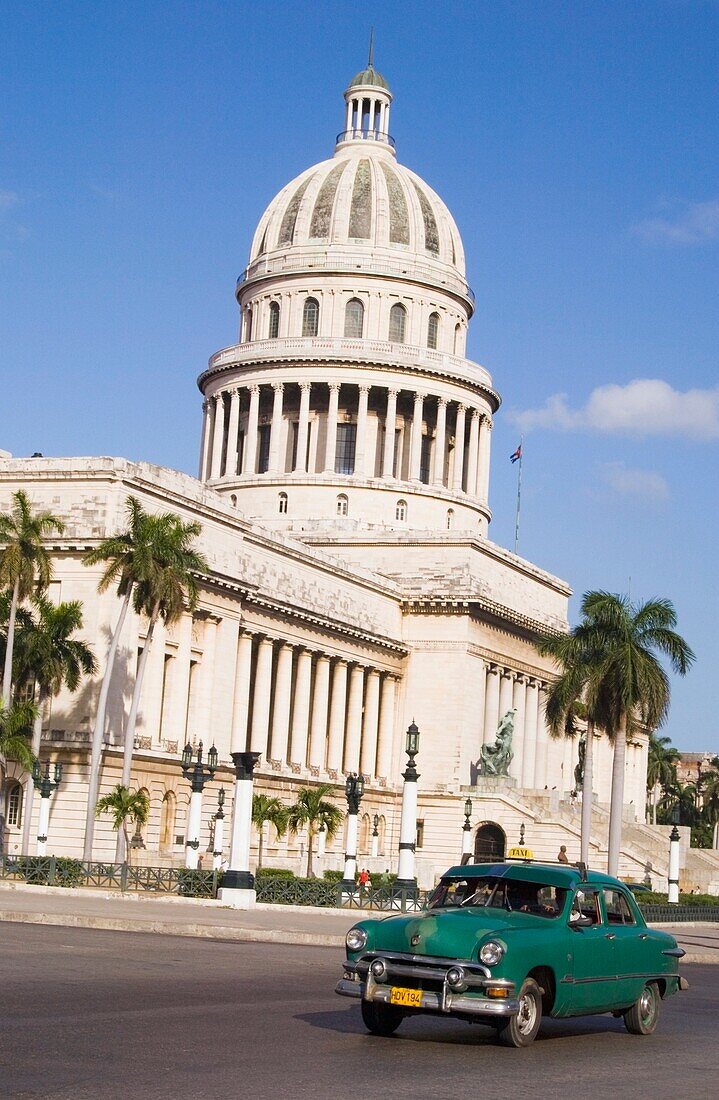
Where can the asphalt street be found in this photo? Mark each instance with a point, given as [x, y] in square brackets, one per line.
[98, 1015]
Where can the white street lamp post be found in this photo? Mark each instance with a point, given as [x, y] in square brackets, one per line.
[45, 785]
[467, 833]
[354, 789]
[238, 883]
[674, 866]
[406, 878]
[321, 840]
[219, 833]
[375, 837]
[198, 774]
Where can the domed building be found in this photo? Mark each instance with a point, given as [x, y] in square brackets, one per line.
[343, 497]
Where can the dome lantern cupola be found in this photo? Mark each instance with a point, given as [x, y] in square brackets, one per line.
[367, 100]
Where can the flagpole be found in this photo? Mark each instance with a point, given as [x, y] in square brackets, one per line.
[519, 494]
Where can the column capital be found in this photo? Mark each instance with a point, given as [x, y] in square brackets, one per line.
[461, 407]
[475, 414]
[205, 405]
[305, 387]
[333, 386]
[278, 387]
[393, 391]
[487, 421]
[364, 388]
[442, 402]
[254, 388]
[218, 396]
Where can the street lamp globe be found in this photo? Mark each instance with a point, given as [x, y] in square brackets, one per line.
[412, 746]
[186, 757]
[468, 808]
[212, 759]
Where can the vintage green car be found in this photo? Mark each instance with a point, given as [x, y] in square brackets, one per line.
[505, 944]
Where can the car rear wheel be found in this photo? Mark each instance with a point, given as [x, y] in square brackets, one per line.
[521, 1030]
[641, 1018]
[381, 1019]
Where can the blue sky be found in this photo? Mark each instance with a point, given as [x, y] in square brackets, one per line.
[576, 144]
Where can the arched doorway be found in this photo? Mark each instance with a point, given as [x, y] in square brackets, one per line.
[167, 821]
[489, 843]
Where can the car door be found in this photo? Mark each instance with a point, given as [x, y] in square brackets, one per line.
[592, 961]
[631, 945]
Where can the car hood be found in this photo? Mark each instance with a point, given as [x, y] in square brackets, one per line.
[451, 933]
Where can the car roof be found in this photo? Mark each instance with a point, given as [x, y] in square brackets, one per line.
[548, 874]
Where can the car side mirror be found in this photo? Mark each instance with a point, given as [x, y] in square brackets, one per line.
[581, 922]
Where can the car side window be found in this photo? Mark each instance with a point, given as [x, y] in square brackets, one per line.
[586, 904]
[617, 908]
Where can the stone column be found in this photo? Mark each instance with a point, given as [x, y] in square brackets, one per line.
[368, 757]
[540, 760]
[390, 427]
[261, 700]
[506, 690]
[218, 433]
[530, 734]
[386, 727]
[348, 119]
[303, 428]
[354, 720]
[459, 450]
[241, 698]
[202, 729]
[491, 705]
[415, 451]
[318, 730]
[173, 725]
[276, 428]
[232, 434]
[439, 442]
[337, 717]
[485, 441]
[301, 709]
[518, 702]
[361, 445]
[473, 454]
[331, 440]
[282, 703]
[249, 455]
[205, 445]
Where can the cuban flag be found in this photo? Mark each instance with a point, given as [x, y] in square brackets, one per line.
[517, 454]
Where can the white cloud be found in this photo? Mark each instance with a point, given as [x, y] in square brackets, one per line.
[693, 223]
[8, 199]
[643, 484]
[646, 406]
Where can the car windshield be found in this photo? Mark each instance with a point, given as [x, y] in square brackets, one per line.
[513, 895]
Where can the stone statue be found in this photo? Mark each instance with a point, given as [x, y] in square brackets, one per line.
[495, 759]
[579, 769]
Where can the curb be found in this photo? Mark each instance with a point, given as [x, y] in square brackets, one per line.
[228, 933]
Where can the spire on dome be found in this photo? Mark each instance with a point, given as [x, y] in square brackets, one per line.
[368, 100]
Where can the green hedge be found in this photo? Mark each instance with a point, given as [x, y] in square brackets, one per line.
[656, 898]
[275, 872]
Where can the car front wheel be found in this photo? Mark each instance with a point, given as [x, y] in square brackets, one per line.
[521, 1030]
[641, 1018]
[381, 1019]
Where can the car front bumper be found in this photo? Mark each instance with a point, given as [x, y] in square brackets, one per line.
[445, 1003]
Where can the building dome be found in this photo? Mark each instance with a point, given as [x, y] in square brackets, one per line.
[369, 77]
[360, 199]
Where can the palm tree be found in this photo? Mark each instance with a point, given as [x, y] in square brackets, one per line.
[127, 561]
[313, 810]
[266, 808]
[661, 768]
[124, 805]
[49, 657]
[573, 695]
[137, 561]
[631, 686]
[24, 564]
[16, 722]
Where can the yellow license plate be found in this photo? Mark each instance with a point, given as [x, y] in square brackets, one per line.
[410, 998]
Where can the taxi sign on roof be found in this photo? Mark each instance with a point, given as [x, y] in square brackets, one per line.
[520, 853]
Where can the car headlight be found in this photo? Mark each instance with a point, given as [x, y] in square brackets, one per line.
[356, 939]
[491, 953]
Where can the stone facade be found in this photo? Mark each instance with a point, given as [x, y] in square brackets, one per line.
[343, 496]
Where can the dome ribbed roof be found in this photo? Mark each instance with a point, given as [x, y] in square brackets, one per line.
[369, 76]
[362, 201]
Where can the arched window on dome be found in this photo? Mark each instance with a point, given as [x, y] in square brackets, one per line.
[273, 329]
[457, 338]
[354, 318]
[433, 330]
[248, 325]
[397, 323]
[342, 505]
[282, 504]
[450, 518]
[400, 511]
[311, 317]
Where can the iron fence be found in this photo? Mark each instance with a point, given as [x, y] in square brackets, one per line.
[292, 891]
[64, 871]
[670, 913]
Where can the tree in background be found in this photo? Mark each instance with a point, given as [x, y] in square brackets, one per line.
[661, 770]
[48, 658]
[24, 565]
[124, 806]
[313, 810]
[266, 808]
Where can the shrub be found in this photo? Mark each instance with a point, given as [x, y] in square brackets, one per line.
[275, 872]
[333, 876]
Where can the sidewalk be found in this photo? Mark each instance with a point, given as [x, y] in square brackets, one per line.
[173, 916]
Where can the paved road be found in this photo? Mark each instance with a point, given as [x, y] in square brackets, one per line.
[96, 1015]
